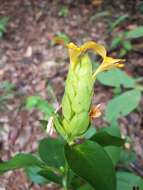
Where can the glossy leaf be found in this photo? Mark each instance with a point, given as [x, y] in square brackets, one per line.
[91, 162]
[20, 161]
[105, 139]
[49, 175]
[122, 105]
[51, 151]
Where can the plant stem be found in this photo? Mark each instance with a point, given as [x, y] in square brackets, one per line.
[65, 178]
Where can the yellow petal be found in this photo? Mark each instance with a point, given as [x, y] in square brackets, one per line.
[97, 48]
[109, 63]
[75, 51]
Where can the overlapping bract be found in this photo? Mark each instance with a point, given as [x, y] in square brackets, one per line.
[77, 98]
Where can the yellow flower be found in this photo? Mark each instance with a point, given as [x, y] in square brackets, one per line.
[108, 62]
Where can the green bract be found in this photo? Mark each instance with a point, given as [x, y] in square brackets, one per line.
[77, 98]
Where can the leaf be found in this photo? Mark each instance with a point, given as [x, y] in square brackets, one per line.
[140, 8]
[113, 151]
[118, 21]
[32, 173]
[49, 175]
[105, 139]
[7, 86]
[127, 45]
[3, 24]
[60, 38]
[90, 132]
[126, 181]
[127, 157]
[20, 161]
[51, 151]
[116, 42]
[40, 104]
[91, 162]
[63, 12]
[116, 78]
[135, 33]
[122, 105]
[85, 187]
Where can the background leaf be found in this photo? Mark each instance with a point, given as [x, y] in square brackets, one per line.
[118, 21]
[127, 157]
[91, 162]
[122, 105]
[116, 78]
[135, 33]
[126, 181]
[38, 103]
[20, 161]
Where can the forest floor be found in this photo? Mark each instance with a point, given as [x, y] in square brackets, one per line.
[31, 63]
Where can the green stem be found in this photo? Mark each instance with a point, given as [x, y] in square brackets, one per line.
[65, 177]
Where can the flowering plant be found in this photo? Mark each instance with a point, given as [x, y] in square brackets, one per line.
[80, 158]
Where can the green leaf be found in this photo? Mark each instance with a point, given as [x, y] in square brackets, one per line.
[90, 132]
[49, 175]
[19, 161]
[40, 104]
[61, 36]
[51, 151]
[118, 21]
[91, 162]
[140, 7]
[63, 12]
[7, 86]
[127, 45]
[32, 101]
[32, 173]
[126, 181]
[105, 139]
[116, 78]
[113, 151]
[116, 42]
[3, 25]
[127, 157]
[135, 33]
[122, 105]
[85, 187]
